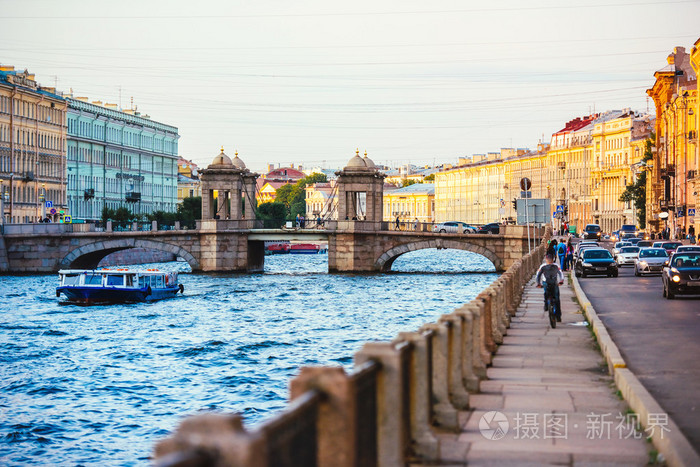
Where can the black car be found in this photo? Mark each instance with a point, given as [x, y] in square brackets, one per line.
[492, 228]
[592, 231]
[595, 261]
[682, 274]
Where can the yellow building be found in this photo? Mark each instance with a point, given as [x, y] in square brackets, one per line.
[32, 147]
[409, 203]
[672, 187]
[321, 201]
[617, 139]
[188, 185]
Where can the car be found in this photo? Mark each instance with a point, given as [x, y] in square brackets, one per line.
[453, 227]
[684, 248]
[650, 261]
[628, 229]
[657, 244]
[618, 245]
[634, 240]
[670, 246]
[595, 261]
[492, 228]
[592, 231]
[615, 236]
[584, 244]
[682, 275]
[645, 244]
[627, 256]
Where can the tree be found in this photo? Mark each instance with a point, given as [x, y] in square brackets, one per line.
[190, 211]
[119, 217]
[294, 196]
[429, 178]
[636, 192]
[408, 183]
[272, 214]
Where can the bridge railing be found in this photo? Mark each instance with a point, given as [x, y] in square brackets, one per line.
[387, 411]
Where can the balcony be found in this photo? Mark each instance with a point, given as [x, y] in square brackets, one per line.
[692, 174]
[133, 197]
[28, 176]
[89, 194]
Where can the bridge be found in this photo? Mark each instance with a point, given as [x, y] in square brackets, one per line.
[225, 241]
[237, 246]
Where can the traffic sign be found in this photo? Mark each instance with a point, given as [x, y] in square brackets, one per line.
[53, 211]
[526, 194]
[560, 208]
[691, 212]
[525, 184]
[49, 204]
[67, 219]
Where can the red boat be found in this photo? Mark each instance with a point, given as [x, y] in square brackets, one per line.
[276, 248]
[306, 249]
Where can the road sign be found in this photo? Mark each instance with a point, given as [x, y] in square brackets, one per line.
[691, 212]
[53, 211]
[525, 184]
[560, 208]
[49, 204]
[526, 194]
[67, 219]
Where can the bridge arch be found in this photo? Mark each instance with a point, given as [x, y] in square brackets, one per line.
[88, 256]
[385, 261]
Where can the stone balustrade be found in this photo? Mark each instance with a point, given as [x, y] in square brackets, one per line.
[385, 412]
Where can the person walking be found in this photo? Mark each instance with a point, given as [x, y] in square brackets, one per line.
[561, 253]
[553, 277]
[398, 223]
[569, 262]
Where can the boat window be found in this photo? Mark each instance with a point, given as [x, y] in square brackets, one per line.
[115, 280]
[93, 279]
[71, 279]
[130, 280]
[159, 282]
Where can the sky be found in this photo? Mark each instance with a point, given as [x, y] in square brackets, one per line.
[309, 82]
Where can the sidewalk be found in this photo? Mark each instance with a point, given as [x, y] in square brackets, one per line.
[550, 393]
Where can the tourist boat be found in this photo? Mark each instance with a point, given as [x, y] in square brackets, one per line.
[276, 248]
[307, 249]
[117, 285]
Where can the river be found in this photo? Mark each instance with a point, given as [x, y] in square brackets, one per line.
[100, 385]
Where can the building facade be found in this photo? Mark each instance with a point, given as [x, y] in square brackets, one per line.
[672, 184]
[188, 183]
[119, 159]
[416, 201]
[32, 149]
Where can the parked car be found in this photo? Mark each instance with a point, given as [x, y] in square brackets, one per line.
[592, 231]
[595, 261]
[453, 227]
[627, 256]
[682, 275]
[650, 261]
[492, 228]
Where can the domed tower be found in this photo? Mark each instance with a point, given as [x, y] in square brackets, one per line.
[234, 186]
[360, 191]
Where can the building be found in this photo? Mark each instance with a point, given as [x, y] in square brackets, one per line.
[32, 149]
[119, 158]
[268, 184]
[672, 181]
[322, 201]
[188, 183]
[416, 201]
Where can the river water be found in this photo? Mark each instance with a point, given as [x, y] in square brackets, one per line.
[100, 385]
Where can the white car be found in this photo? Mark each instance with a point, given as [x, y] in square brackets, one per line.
[618, 245]
[627, 255]
[650, 260]
[454, 227]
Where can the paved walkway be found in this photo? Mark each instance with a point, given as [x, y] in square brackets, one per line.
[551, 390]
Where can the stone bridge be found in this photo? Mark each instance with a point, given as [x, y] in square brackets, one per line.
[229, 246]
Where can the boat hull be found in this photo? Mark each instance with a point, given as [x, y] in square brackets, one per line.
[88, 295]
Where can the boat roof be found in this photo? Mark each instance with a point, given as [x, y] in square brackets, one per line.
[115, 271]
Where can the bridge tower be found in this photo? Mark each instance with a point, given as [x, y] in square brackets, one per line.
[361, 193]
[235, 187]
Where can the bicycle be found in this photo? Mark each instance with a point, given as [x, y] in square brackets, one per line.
[550, 304]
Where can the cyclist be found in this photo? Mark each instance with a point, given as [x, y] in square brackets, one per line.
[553, 277]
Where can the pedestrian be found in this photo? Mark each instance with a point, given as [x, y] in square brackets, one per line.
[691, 234]
[298, 221]
[552, 248]
[561, 253]
[398, 223]
[569, 255]
[415, 225]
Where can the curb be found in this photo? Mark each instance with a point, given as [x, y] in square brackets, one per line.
[673, 445]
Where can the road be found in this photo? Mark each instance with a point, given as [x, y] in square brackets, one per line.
[658, 338]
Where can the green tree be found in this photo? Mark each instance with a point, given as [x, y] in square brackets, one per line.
[429, 178]
[190, 211]
[272, 214]
[408, 183]
[636, 192]
[119, 217]
[294, 196]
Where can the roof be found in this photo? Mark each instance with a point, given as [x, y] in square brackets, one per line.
[416, 188]
[285, 173]
[39, 90]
